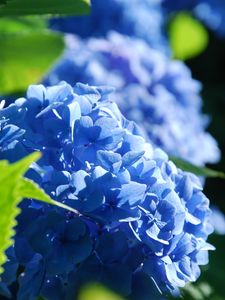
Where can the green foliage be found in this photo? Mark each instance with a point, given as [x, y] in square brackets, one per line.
[24, 58]
[22, 25]
[31, 7]
[188, 37]
[10, 176]
[97, 292]
[13, 189]
[30, 189]
[27, 50]
[199, 171]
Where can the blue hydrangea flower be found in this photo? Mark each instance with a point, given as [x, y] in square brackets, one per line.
[211, 12]
[143, 19]
[139, 217]
[157, 93]
[218, 220]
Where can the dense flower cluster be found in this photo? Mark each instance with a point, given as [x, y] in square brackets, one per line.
[138, 216]
[157, 93]
[211, 12]
[143, 19]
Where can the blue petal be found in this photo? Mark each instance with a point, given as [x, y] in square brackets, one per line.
[131, 157]
[109, 160]
[133, 193]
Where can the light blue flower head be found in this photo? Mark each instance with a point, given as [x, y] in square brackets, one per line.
[138, 215]
[154, 91]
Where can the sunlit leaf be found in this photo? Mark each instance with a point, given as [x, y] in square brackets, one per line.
[13, 189]
[25, 58]
[188, 37]
[97, 292]
[10, 175]
[30, 189]
[22, 25]
[199, 171]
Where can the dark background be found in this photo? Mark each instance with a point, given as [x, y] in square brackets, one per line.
[209, 68]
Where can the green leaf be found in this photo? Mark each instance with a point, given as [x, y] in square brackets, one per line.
[13, 189]
[97, 292]
[33, 7]
[188, 37]
[10, 175]
[26, 57]
[30, 189]
[21, 25]
[199, 171]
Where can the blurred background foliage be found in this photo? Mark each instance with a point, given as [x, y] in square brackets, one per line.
[97, 292]
[27, 50]
[180, 27]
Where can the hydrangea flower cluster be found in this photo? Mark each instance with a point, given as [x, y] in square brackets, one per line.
[211, 12]
[143, 19]
[138, 216]
[157, 93]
